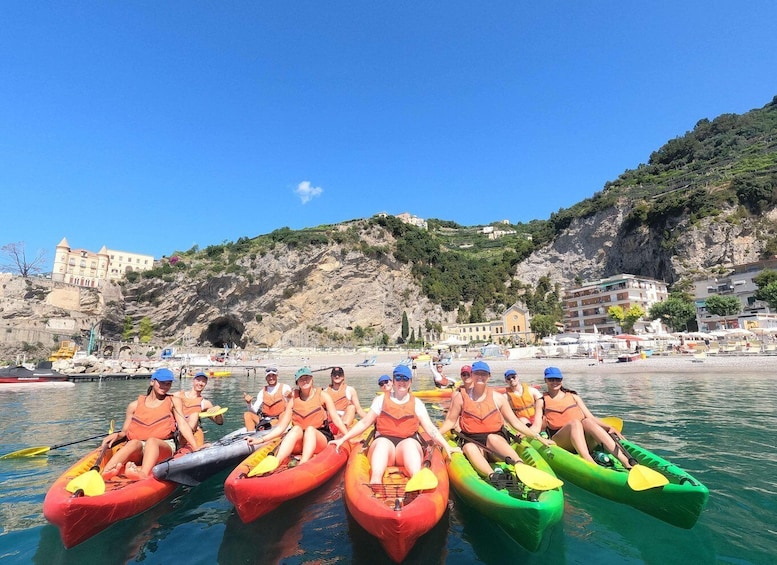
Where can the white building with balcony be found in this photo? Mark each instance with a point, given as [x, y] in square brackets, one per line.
[586, 307]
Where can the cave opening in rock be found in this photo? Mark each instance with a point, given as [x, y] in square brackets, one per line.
[224, 331]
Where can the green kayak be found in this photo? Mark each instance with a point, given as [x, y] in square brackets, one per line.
[679, 503]
[523, 514]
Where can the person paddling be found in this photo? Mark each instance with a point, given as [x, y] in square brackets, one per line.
[525, 401]
[345, 398]
[193, 403]
[481, 413]
[149, 425]
[309, 412]
[270, 401]
[571, 425]
[397, 415]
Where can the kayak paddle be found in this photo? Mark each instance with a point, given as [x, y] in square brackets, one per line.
[614, 422]
[32, 451]
[530, 476]
[91, 483]
[213, 413]
[266, 465]
[424, 479]
[640, 477]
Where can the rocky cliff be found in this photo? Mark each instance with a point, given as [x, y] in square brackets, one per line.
[601, 245]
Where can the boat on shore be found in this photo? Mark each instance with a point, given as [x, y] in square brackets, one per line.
[680, 502]
[397, 518]
[43, 373]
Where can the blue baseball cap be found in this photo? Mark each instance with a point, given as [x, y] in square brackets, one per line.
[302, 372]
[510, 373]
[163, 375]
[403, 370]
[481, 366]
[200, 375]
[553, 373]
[383, 379]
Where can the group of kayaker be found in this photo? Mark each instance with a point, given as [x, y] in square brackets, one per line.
[150, 425]
[308, 418]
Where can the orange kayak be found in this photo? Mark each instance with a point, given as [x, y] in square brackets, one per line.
[386, 511]
[256, 496]
[81, 517]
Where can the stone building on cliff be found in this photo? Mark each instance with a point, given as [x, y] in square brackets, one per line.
[81, 267]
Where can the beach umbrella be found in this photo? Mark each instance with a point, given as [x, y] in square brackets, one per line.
[631, 337]
[567, 340]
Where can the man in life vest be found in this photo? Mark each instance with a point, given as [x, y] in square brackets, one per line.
[440, 380]
[270, 401]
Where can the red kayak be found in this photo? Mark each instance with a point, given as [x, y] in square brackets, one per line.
[386, 511]
[79, 517]
[256, 496]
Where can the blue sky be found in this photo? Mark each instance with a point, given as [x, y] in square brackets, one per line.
[151, 127]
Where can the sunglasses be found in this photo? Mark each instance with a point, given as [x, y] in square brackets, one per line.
[465, 374]
[272, 370]
[384, 383]
[402, 378]
[511, 378]
[553, 379]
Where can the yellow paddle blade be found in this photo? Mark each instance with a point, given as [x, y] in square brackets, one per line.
[110, 428]
[266, 465]
[643, 478]
[213, 412]
[424, 479]
[28, 452]
[91, 483]
[536, 479]
[614, 422]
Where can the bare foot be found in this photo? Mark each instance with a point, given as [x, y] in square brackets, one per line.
[108, 474]
[132, 471]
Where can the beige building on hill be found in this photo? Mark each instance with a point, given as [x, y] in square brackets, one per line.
[512, 326]
[82, 267]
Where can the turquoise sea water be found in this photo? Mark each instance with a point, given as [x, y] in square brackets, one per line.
[722, 429]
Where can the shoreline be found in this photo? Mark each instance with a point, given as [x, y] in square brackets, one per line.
[386, 361]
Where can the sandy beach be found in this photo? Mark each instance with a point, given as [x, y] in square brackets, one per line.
[532, 369]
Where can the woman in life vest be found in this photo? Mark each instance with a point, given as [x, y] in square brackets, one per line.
[397, 415]
[193, 403]
[571, 425]
[149, 425]
[309, 413]
[524, 400]
[345, 398]
[270, 401]
[481, 413]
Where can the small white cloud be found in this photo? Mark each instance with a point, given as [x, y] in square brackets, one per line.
[306, 192]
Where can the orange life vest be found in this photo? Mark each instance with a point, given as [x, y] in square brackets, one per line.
[480, 417]
[339, 398]
[310, 412]
[152, 422]
[523, 404]
[191, 405]
[559, 412]
[273, 405]
[397, 420]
